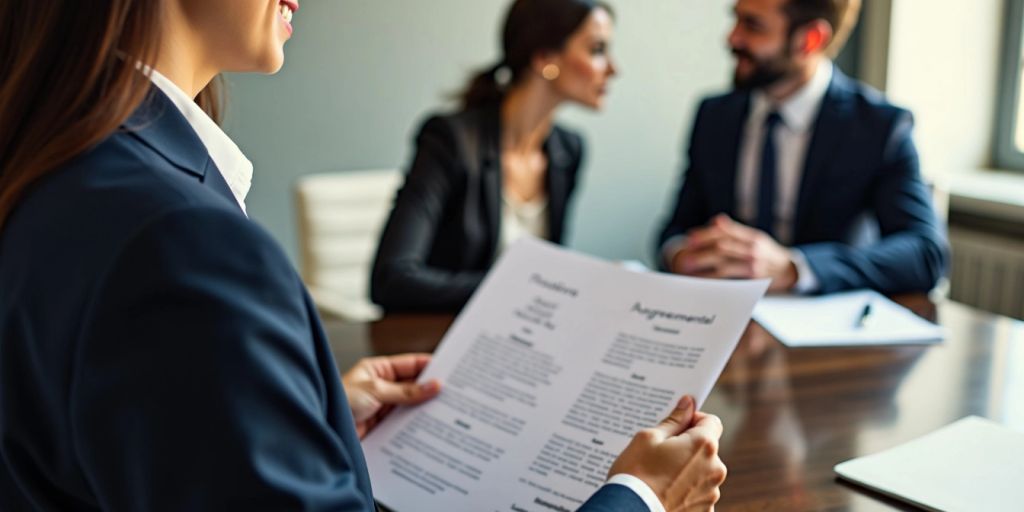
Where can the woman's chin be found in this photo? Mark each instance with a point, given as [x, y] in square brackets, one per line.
[596, 104]
[271, 63]
[274, 69]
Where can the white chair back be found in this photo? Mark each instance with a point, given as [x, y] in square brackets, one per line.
[340, 216]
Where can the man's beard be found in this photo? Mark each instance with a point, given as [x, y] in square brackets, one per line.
[767, 72]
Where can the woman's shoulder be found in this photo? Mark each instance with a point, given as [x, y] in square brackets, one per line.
[567, 134]
[567, 138]
[113, 190]
[461, 121]
[113, 196]
[462, 136]
[124, 167]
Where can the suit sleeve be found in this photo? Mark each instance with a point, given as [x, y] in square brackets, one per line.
[614, 498]
[691, 207]
[402, 277]
[197, 384]
[912, 253]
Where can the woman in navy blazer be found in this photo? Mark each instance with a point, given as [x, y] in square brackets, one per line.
[500, 167]
[157, 351]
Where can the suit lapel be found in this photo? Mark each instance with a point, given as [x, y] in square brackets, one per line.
[215, 179]
[490, 148]
[834, 121]
[160, 126]
[557, 184]
[728, 160]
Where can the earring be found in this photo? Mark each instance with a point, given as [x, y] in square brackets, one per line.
[503, 76]
[550, 72]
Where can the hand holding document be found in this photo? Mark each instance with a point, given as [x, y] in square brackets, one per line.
[861, 317]
[552, 367]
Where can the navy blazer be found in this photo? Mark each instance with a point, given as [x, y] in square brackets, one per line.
[443, 232]
[157, 349]
[861, 165]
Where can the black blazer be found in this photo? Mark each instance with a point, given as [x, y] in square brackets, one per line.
[861, 164]
[443, 232]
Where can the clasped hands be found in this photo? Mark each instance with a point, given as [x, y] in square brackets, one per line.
[727, 249]
[678, 458]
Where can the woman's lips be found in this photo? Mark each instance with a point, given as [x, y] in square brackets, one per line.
[287, 9]
[292, 4]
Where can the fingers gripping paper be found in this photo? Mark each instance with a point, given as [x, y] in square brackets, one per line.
[552, 367]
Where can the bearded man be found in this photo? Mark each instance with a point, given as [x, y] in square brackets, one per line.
[802, 174]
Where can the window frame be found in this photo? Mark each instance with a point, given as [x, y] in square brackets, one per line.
[1006, 153]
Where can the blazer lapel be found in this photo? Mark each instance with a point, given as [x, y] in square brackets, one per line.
[215, 179]
[160, 126]
[559, 161]
[728, 159]
[490, 170]
[833, 122]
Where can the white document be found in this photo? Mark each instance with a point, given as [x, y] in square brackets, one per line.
[835, 320]
[549, 371]
[973, 464]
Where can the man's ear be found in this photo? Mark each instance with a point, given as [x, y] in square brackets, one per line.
[814, 37]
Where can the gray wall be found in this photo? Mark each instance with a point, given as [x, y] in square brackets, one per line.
[361, 74]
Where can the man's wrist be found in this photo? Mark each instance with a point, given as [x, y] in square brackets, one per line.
[806, 280]
[670, 249]
[790, 277]
[783, 271]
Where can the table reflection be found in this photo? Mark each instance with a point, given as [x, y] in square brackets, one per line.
[792, 414]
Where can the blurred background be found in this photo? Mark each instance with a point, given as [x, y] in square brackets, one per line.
[361, 75]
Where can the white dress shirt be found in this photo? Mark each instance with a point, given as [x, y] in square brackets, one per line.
[232, 163]
[792, 138]
[522, 218]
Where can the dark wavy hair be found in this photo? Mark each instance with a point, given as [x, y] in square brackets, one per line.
[531, 26]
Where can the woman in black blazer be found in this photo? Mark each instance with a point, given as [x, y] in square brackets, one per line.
[498, 168]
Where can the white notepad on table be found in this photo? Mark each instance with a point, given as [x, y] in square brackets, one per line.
[834, 320]
[973, 464]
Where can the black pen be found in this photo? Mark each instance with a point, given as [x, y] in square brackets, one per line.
[864, 314]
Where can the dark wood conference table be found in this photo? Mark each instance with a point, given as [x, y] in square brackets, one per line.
[791, 414]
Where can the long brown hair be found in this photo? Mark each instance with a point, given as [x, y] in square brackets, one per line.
[68, 79]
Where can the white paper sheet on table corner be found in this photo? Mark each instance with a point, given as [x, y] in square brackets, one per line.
[972, 464]
[831, 320]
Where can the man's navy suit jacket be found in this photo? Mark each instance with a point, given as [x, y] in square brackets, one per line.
[861, 165]
[157, 349]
